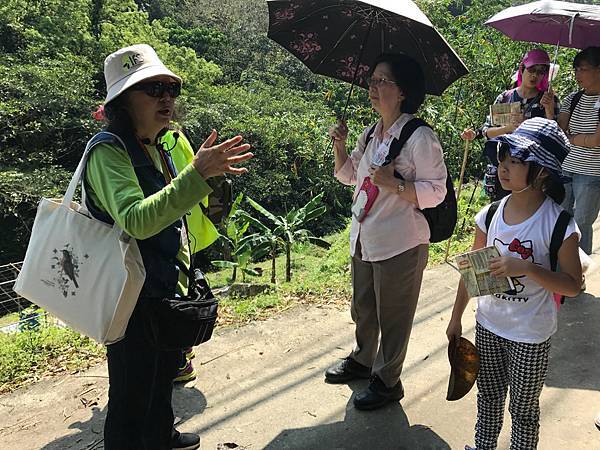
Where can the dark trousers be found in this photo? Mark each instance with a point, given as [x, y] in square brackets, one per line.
[140, 414]
[384, 302]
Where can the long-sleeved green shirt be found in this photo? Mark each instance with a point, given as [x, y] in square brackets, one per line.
[114, 189]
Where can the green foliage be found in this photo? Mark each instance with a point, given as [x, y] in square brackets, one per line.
[19, 195]
[206, 42]
[236, 81]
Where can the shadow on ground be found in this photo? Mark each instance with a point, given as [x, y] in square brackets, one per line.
[187, 403]
[574, 353]
[386, 428]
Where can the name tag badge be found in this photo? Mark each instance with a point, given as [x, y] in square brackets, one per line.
[597, 104]
[379, 154]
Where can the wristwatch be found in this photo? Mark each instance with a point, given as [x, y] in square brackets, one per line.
[401, 186]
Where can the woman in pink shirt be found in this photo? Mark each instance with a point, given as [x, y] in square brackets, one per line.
[389, 237]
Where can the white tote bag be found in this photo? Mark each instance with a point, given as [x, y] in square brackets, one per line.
[85, 272]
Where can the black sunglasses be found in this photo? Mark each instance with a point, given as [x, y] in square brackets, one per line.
[158, 88]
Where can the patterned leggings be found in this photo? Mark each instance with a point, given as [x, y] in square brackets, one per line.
[521, 366]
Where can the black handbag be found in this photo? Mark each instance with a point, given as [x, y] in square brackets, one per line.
[181, 322]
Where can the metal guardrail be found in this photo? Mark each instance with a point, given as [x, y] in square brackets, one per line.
[10, 302]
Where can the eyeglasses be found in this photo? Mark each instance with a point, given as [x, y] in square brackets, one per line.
[376, 82]
[537, 71]
[158, 88]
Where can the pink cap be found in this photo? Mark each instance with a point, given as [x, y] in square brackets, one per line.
[531, 58]
[535, 56]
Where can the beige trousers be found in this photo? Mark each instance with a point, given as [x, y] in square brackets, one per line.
[384, 301]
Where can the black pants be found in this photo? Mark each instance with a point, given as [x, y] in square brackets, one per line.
[140, 414]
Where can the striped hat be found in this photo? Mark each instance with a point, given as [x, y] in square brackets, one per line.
[536, 140]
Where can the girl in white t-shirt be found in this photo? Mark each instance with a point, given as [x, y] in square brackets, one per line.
[514, 328]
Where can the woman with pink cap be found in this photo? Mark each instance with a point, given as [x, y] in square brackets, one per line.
[130, 180]
[537, 100]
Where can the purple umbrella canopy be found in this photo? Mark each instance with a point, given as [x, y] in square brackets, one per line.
[342, 38]
[566, 24]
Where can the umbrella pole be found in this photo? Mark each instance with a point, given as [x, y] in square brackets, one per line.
[353, 82]
[360, 55]
[553, 67]
[459, 189]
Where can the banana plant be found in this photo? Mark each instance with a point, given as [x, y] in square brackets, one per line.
[285, 231]
[242, 248]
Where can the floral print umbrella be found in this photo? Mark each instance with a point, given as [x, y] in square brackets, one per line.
[342, 38]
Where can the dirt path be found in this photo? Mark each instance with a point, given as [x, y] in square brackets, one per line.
[261, 386]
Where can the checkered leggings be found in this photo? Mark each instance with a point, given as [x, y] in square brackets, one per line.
[521, 366]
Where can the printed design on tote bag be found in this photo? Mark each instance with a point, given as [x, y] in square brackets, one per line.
[65, 265]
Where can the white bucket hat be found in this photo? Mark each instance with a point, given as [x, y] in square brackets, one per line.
[129, 66]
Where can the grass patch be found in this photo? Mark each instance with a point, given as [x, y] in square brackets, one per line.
[29, 356]
[9, 319]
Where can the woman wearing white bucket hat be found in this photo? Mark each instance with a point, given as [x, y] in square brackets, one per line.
[132, 187]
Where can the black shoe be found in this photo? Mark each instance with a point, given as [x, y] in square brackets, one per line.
[185, 441]
[347, 369]
[378, 394]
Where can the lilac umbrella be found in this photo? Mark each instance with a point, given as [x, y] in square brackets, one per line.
[342, 38]
[563, 24]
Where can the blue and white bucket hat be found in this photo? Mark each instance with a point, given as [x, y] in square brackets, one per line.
[537, 140]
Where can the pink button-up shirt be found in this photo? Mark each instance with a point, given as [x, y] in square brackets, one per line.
[393, 224]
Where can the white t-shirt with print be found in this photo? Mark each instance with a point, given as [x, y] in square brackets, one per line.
[527, 313]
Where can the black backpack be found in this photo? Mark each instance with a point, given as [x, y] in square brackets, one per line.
[558, 234]
[441, 218]
[220, 199]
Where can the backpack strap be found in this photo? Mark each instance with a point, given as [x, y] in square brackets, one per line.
[369, 136]
[407, 131]
[573, 104]
[490, 214]
[558, 236]
[507, 96]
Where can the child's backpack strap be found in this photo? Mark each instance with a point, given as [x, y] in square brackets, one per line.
[490, 214]
[558, 236]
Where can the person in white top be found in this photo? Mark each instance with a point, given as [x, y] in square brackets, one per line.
[513, 328]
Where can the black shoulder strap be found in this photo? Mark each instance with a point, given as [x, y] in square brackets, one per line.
[370, 135]
[574, 102]
[558, 236]
[490, 214]
[407, 131]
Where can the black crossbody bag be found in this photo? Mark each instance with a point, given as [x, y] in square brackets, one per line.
[182, 321]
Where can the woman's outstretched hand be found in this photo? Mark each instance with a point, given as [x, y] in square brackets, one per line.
[212, 161]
